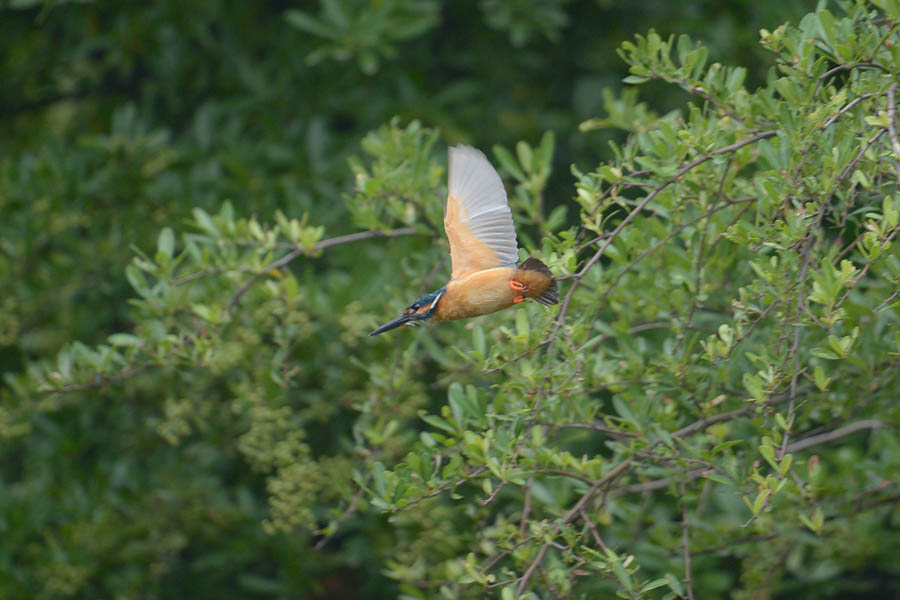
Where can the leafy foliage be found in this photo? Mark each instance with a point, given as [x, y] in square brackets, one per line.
[711, 409]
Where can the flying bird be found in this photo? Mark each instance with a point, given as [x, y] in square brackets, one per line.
[484, 277]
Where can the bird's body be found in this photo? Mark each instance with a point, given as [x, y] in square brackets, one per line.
[488, 291]
[483, 251]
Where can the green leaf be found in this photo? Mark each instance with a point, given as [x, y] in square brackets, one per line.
[652, 585]
[827, 26]
[125, 339]
[623, 410]
[304, 22]
[204, 222]
[820, 378]
[166, 242]
[635, 79]
[526, 156]
[623, 576]
[508, 162]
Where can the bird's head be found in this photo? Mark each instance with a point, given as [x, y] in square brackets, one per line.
[420, 310]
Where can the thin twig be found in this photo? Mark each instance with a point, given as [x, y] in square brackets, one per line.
[560, 319]
[475, 473]
[892, 127]
[686, 543]
[794, 352]
[530, 571]
[99, 382]
[661, 242]
[595, 426]
[887, 300]
[319, 246]
[840, 432]
[590, 523]
[864, 270]
[579, 506]
[526, 508]
[493, 495]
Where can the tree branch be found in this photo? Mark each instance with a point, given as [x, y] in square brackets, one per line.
[649, 198]
[686, 543]
[840, 432]
[575, 510]
[892, 127]
[321, 245]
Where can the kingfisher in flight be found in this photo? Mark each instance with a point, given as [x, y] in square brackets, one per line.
[484, 277]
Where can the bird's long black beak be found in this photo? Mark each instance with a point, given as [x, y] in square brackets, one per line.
[401, 320]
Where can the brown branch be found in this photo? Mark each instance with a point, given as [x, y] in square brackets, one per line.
[686, 543]
[865, 270]
[892, 127]
[840, 432]
[475, 473]
[852, 164]
[493, 495]
[503, 554]
[702, 424]
[319, 246]
[843, 110]
[663, 241]
[649, 198]
[530, 571]
[590, 523]
[794, 354]
[579, 507]
[526, 508]
[564, 473]
[99, 382]
[887, 300]
[351, 508]
[795, 446]
[595, 426]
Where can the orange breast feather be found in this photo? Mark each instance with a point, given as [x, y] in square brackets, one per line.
[479, 293]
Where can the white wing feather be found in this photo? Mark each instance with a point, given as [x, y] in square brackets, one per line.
[473, 180]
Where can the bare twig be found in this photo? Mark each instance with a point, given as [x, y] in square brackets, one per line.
[892, 127]
[843, 110]
[475, 473]
[526, 508]
[686, 543]
[564, 473]
[663, 241]
[864, 270]
[862, 152]
[595, 426]
[575, 510]
[321, 245]
[703, 424]
[351, 508]
[493, 495]
[887, 300]
[590, 523]
[794, 354]
[523, 583]
[840, 432]
[100, 381]
[637, 209]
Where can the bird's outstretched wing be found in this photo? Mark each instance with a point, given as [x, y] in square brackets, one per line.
[477, 219]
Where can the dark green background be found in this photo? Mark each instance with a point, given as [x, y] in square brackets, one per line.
[118, 118]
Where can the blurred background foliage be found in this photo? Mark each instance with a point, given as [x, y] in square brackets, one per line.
[120, 119]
